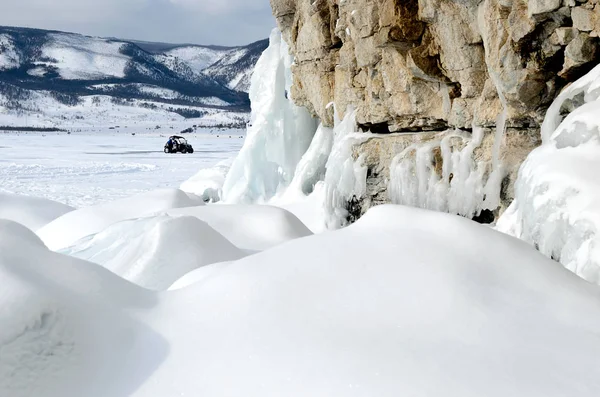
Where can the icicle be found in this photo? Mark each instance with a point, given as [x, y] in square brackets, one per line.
[345, 178]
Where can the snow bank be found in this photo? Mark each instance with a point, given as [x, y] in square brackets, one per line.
[557, 205]
[155, 252]
[250, 227]
[279, 135]
[404, 302]
[32, 212]
[75, 225]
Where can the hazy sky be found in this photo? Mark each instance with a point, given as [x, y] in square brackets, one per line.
[223, 22]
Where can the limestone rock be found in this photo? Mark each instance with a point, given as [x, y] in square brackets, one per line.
[543, 6]
[582, 50]
[425, 66]
[584, 19]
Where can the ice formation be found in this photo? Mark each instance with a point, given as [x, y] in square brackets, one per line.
[346, 177]
[279, 133]
[557, 205]
[462, 186]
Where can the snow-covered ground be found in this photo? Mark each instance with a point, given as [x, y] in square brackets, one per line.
[159, 294]
[83, 169]
[371, 310]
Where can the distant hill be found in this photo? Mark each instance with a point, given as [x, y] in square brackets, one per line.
[69, 67]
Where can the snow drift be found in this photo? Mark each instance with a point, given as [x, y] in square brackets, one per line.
[67, 328]
[368, 310]
[249, 227]
[157, 251]
[75, 225]
[32, 212]
[558, 191]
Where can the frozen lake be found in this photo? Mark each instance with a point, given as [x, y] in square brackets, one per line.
[86, 169]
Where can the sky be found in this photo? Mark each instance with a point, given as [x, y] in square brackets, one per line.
[219, 22]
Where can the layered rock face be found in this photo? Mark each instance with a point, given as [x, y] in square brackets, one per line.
[424, 66]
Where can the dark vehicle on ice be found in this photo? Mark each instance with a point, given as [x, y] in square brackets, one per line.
[178, 144]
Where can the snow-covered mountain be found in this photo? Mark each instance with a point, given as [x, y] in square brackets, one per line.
[230, 66]
[235, 68]
[70, 69]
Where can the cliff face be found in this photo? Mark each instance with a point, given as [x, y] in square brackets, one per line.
[424, 66]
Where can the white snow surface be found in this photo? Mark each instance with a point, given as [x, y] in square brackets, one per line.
[249, 227]
[155, 252]
[84, 222]
[32, 212]
[557, 205]
[208, 182]
[370, 310]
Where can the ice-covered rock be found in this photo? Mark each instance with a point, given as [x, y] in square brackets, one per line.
[278, 136]
[155, 252]
[32, 212]
[75, 225]
[557, 206]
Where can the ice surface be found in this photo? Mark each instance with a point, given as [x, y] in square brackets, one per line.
[401, 303]
[32, 212]
[84, 222]
[83, 169]
[558, 191]
[279, 135]
[155, 252]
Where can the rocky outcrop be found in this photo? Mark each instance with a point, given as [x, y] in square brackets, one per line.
[432, 65]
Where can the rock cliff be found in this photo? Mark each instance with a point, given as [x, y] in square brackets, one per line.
[416, 69]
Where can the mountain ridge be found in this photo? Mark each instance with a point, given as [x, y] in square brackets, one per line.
[71, 66]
